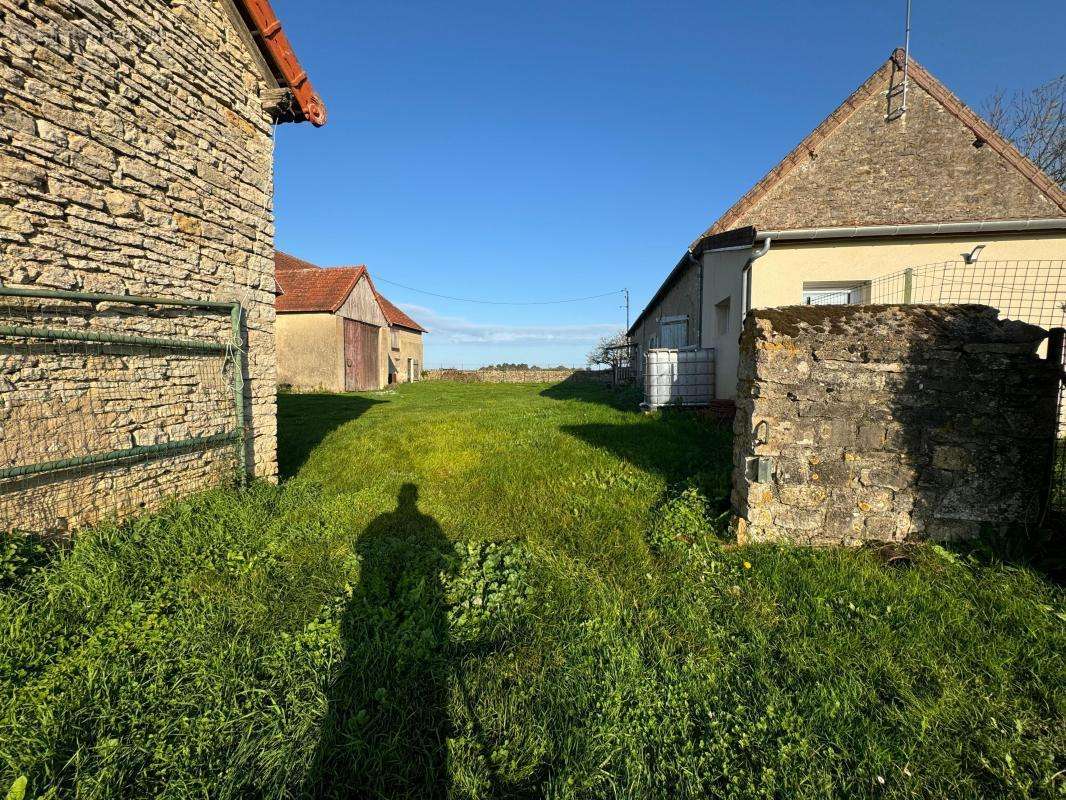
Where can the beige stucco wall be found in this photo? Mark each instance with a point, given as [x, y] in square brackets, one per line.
[135, 157]
[310, 352]
[778, 277]
[394, 361]
[723, 278]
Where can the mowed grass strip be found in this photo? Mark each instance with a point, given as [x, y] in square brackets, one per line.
[469, 590]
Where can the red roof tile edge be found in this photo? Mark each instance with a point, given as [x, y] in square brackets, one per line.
[275, 45]
[292, 268]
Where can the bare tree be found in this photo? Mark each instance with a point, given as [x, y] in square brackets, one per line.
[1035, 122]
[605, 353]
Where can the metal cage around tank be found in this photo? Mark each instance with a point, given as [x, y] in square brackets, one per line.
[678, 377]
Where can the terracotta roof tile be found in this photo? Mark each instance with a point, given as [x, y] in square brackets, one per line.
[396, 317]
[315, 289]
[274, 44]
[283, 261]
[306, 287]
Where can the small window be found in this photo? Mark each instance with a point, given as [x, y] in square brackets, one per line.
[394, 338]
[721, 317]
[835, 294]
[674, 331]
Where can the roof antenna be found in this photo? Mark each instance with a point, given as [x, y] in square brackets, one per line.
[906, 57]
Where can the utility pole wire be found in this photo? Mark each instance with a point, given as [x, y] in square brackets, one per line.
[501, 302]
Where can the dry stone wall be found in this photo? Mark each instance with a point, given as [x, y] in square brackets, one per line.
[887, 423]
[514, 375]
[135, 157]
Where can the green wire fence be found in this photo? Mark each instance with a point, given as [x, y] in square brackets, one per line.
[91, 369]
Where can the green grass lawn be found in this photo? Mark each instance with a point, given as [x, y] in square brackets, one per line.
[470, 590]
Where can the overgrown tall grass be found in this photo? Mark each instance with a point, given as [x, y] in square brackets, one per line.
[499, 591]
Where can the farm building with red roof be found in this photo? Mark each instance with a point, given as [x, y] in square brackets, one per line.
[337, 333]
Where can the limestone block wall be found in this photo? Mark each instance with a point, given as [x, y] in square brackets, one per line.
[886, 423]
[135, 157]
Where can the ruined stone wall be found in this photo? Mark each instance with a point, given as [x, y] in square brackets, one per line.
[885, 423]
[135, 157]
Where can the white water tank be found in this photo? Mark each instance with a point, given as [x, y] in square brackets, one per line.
[680, 377]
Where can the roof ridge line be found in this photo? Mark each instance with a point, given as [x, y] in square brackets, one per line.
[938, 91]
[360, 272]
[792, 158]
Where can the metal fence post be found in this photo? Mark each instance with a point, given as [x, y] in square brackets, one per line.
[238, 392]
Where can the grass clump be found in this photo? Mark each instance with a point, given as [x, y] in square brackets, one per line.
[479, 591]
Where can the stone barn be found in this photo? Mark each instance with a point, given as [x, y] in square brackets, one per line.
[337, 333]
[137, 354]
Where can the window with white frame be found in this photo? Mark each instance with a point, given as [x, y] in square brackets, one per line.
[835, 294]
[674, 331]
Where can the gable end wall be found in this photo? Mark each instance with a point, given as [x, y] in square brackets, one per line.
[135, 157]
[922, 168]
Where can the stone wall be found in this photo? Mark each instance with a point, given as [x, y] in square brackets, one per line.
[514, 376]
[135, 157]
[682, 298]
[871, 170]
[885, 423]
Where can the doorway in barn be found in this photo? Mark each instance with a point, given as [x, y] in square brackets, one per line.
[361, 371]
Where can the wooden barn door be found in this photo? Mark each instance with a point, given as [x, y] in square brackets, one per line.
[360, 356]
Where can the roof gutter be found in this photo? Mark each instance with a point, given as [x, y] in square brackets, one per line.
[921, 229]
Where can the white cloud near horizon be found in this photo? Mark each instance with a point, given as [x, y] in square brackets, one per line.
[456, 330]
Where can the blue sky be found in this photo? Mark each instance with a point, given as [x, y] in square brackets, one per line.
[536, 151]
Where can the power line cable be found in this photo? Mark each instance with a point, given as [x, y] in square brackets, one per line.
[500, 302]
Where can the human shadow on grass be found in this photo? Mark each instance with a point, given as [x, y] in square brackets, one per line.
[388, 721]
[586, 390]
[387, 726]
[304, 420]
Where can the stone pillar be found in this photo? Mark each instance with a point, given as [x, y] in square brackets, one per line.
[885, 423]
